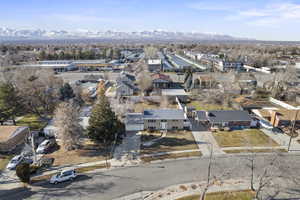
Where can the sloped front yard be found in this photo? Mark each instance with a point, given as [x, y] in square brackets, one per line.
[244, 138]
[173, 141]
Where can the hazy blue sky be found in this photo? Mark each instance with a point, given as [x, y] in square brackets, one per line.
[260, 19]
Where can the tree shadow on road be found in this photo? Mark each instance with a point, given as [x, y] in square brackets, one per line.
[16, 193]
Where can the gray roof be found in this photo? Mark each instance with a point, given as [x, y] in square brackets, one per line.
[168, 114]
[219, 116]
[134, 118]
[122, 84]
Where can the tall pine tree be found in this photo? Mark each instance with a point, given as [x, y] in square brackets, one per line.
[104, 126]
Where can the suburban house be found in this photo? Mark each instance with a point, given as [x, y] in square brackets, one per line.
[160, 119]
[204, 82]
[125, 77]
[125, 85]
[279, 117]
[125, 89]
[12, 136]
[154, 65]
[161, 81]
[225, 118]
[173, 94]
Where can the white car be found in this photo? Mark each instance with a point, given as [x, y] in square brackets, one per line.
[44, 146]
[14, 162]
[63, 176]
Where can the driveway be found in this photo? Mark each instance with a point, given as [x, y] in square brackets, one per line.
[205, 141]
[127, 153]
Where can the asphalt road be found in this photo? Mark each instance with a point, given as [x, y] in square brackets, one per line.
[150, 177]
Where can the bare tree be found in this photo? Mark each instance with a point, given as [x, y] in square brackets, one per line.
[144, 81]
[66, 119]
[150, 52]
[164, 103]
[38, 89]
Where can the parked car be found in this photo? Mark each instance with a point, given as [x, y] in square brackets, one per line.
[63, 176]
[17, 160]
[45, 146]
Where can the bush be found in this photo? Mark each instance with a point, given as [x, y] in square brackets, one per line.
[23, 172]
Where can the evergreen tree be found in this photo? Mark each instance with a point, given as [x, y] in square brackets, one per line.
[23, 172]
[104, 126]
[10, 105]
[66, 92]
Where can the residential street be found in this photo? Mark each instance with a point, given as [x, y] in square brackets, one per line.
[151, 177]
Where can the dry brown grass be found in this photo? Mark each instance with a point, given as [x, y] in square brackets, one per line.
[234, 195]
[174, 141]
[256, 151]
[241, 138]
[89, 152]
[172, 156]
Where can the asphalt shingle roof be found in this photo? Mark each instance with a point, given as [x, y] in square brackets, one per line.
[219, 116]
[168, 114]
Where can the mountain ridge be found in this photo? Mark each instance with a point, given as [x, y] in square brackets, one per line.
[16, 34]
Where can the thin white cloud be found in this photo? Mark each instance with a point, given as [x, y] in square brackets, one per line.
[273, 14]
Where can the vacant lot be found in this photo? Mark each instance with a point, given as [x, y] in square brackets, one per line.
[239, 195]
[89, 152]
[198, 105]
[140, 107]
[241, 138]
[33, 121]
[173, 141]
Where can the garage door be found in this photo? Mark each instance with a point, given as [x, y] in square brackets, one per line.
[134, 127]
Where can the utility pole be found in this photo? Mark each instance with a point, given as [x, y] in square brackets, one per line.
[32, 145]
[293, 129]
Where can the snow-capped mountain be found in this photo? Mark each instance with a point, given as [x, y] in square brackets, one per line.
[15, 34]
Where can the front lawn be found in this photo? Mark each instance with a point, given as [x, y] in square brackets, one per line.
[239, 195]
[174, 141]
[243, 138]
[33, 121]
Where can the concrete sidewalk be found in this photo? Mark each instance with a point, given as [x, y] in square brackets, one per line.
[205, 140]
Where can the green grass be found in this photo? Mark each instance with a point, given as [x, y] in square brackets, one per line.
[241, 138]
[33, 121]
[239, 195]
[198, 105]
[3, 161]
